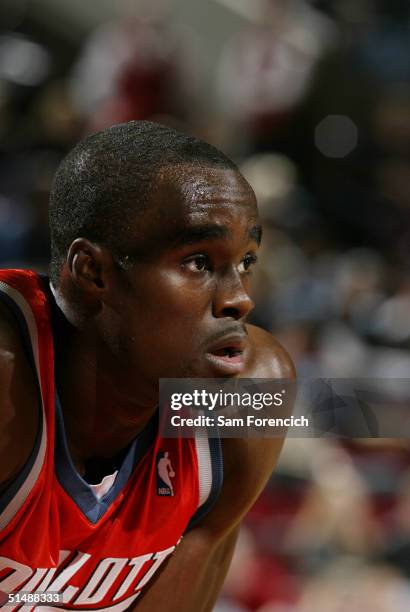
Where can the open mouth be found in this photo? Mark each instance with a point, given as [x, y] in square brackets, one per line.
[227, 355]
[229, 358]
[228, 351]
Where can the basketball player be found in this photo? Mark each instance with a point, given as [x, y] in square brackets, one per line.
[154, 237]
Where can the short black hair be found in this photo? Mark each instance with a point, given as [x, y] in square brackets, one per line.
[108, 177]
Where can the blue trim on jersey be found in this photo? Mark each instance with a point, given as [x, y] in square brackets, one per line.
[10, 492]
[77, 488]
[215, 449]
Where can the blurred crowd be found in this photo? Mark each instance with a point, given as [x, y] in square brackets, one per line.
[312, 99]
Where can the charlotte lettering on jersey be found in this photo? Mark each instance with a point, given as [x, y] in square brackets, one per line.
[110, 581]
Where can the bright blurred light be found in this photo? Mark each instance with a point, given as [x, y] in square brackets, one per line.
[272, 177]
[22, 61]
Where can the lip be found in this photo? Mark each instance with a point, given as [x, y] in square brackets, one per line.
[225, 364]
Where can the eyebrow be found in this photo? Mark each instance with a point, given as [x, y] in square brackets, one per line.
[202, 233]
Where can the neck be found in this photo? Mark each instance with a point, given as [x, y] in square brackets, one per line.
[100, 417]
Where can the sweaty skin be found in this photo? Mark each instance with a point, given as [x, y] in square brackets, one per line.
[181, 290]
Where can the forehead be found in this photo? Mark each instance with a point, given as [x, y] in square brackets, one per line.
[204, 189]
[187, 197]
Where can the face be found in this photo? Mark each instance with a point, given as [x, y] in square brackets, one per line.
[182, 304]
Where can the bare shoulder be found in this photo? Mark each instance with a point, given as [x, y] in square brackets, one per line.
[18, 401]
[268, 358]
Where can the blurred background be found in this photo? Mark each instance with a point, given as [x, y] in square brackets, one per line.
[311, 99]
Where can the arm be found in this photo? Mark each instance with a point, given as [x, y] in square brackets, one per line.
[193, 577]
[18, 399]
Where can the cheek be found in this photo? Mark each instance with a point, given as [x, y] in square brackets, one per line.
[169, 309]
[175, 295]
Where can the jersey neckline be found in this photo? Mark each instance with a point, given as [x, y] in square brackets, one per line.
[79, 489]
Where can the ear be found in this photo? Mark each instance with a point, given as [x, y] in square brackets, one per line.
[89, 264]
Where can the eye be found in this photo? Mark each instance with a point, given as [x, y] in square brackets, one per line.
[197, 263]
[247, 262]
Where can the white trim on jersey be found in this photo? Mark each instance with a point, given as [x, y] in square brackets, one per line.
[27, 485]
[203, 453]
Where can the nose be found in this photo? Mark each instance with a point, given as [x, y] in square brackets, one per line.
[231, 298]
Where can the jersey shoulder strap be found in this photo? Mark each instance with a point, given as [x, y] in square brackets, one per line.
[210, 473]
[22, 294]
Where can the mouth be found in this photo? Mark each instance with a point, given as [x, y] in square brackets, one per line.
[228, 356]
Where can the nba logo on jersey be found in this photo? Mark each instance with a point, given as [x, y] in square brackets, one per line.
[164, 474]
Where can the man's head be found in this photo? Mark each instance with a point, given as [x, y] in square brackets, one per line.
[153, 236]
[105, 184]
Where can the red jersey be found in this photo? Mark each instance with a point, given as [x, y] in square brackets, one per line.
[96, 546]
